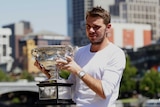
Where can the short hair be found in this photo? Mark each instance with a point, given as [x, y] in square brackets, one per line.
[98, 11]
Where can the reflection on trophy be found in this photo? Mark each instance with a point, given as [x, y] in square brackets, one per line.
[55, 88]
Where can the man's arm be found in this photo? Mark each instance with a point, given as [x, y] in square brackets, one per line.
[46, 72]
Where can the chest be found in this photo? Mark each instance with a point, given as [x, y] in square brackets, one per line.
[94, 64]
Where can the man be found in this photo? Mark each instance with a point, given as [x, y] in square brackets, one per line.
[97, 68]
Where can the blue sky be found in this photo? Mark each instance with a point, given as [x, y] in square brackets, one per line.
[50, 15]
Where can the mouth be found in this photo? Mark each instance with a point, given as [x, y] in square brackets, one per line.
[93, 36]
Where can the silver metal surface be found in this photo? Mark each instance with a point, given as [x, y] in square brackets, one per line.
[47, 56]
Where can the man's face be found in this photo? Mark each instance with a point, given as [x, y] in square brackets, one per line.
[96, 30]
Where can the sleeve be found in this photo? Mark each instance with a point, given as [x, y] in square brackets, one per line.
[113, 73]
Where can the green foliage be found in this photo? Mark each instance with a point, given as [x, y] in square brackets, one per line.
[4, 77]
[26, 75]
[128, 83]
[64, 74]
[15, 100]
[150, 84]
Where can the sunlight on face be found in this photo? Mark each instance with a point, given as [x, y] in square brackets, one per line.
[96, 30]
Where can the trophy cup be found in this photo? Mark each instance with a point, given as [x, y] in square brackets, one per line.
[54, 90]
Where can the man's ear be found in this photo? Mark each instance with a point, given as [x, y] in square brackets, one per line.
[108, 27]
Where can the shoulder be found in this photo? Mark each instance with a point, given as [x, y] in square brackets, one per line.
[117, 56]
[116, 53]
[115, 49]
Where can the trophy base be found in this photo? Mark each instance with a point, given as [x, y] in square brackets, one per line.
[55, 92]
[56, 102]
[49, 81]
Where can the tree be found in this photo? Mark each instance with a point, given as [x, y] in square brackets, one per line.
[150, 84]
[4, 77]
[27, 75]
[128, 82]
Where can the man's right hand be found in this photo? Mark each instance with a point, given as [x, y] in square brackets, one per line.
[46, 72]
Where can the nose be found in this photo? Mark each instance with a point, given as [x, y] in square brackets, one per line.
[91, 29]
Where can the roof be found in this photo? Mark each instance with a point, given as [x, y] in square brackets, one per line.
[41, 33]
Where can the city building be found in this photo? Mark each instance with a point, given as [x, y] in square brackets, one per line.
[19, 30]
[130, 35]
[122, 11]
[139, 11]
[6, 60]
[146, 58]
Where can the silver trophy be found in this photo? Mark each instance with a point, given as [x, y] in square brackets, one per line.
[55, 88]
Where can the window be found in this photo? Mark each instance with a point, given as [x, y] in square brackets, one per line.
[124, 7]
[124, 15]
[4, 36]
[4, 50]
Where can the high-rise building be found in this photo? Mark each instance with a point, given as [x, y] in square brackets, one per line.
[6, 60]
[19, 30]
[130, 35]
[76, 18]
[139, 11]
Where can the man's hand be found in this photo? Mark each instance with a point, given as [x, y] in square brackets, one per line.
[46, 72]
[69, 64]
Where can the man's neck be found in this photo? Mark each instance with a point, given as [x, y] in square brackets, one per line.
[98, 47]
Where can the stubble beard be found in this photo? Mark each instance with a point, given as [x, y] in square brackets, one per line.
[99, 41]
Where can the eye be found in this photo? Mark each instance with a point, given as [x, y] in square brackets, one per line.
[96, 27]
[93, 27]
[88, 27]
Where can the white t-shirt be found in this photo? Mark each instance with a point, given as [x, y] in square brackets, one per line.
[106, 65]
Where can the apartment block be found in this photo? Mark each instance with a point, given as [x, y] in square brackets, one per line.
[130, 36]
[6, 60]
[139, 11]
